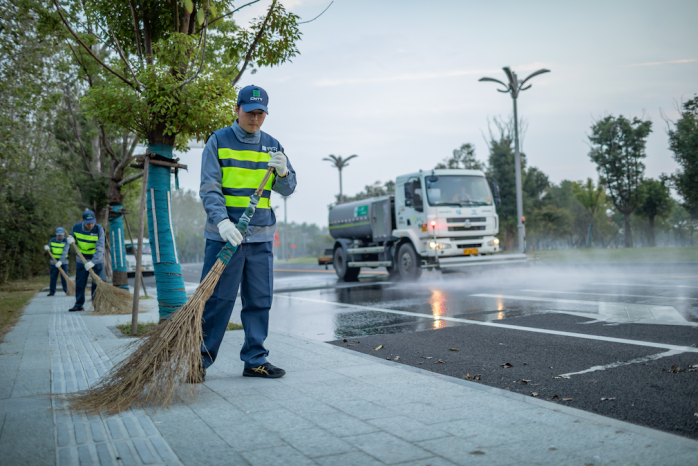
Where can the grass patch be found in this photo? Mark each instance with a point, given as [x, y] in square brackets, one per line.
[299, 260]
[658, 254]
[232, 326]
[13, 297]
[143, 329]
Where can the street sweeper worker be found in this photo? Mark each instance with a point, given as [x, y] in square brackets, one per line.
[58, 248]
[89, 237]
[234, 163]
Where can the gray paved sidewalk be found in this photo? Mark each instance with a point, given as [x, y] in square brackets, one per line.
[334, 407]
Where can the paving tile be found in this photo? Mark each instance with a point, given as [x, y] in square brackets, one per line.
[387, 448]
[285, 456]
[340, 424]
[408, 429]
[433, 461]
[281, 420]
[315, 442]
[355, 458]
[465, 452]
[363, 409]
[243, 438]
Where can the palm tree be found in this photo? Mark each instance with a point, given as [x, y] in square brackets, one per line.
[339, 163]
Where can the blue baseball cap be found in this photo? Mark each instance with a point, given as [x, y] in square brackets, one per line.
[253, 98]
[60, 231]
[88, 216]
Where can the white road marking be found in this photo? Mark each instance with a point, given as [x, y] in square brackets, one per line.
[611, 294]
[649, 344]
[645, 285]
[651, 357]
[613, 312]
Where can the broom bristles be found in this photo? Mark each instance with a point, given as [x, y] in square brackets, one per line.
[110, 300]
[160, 364]
[70, 284]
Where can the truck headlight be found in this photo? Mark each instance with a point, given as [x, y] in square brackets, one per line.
[494, 242]
[435, 245]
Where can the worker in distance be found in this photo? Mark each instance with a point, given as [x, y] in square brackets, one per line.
[89, 237]
[58, 248]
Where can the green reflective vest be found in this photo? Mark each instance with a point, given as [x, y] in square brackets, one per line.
[86, 243]
[57, 249]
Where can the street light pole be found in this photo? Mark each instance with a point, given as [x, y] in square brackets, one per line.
[285, 243]
[514, 87]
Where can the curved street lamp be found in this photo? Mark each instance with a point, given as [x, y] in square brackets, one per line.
[514, 87]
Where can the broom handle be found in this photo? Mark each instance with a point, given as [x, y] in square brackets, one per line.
[94, 276]
[53, 261]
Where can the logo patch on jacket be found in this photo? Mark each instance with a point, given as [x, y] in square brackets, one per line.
[269, 149]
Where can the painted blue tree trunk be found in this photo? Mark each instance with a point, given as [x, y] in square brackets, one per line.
[118, 248]
[168, 273]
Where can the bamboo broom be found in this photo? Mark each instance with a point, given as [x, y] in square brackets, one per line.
[107, 299]
[70, 284]
[164, 359]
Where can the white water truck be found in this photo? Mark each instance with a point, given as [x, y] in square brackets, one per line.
[437, 219]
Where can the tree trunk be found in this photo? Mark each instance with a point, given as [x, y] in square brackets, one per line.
[650, 233]
[341, 197]
[627, 231]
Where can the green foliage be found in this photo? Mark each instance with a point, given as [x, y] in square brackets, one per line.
[617, 149]
[463, 157]
[175, 78]
[376, 189]
[683, 140]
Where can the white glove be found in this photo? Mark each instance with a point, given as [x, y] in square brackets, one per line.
[229, 233]
[89, 265]
[279, 162]
[58, 264]
[70, 240]
[46, 248]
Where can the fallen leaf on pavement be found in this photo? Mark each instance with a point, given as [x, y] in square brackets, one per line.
[396, 358]
[422, 362]
[603, 398]
[453, 349]
[524, 381]
[378, 347]
[567, 399]
[357, 341]
[440, 361]
[675, 369]
[507, 365]
[525, 364]
[344, 341]
[473, 377]
[555, 397]
[388, 358]
[534, 394]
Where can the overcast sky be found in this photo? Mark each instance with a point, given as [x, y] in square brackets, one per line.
[396, 82]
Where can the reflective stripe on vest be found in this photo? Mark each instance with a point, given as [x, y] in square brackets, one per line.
[86, 243]
[57, 250]
[243, 171]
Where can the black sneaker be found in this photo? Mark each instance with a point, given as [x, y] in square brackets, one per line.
[197, 378]
[51, 294]
[76, 308]
[266, 370]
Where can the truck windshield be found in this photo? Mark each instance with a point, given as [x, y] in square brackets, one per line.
[130, 249]
[460, 190]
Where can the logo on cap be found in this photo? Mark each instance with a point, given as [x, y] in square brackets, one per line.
[255, 93]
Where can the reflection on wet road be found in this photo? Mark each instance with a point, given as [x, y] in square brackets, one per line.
[313, 304]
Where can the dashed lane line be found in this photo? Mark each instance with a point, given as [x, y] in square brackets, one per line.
[649, 344]
[651, 357]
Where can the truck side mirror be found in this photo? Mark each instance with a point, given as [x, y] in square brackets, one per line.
[495, 194]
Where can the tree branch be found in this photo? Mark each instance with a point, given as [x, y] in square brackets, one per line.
[254, 43]
[123, 58]
[323, 12]
[136, 30]
[228, 14]
[89, 50]
[129, 179]
[203, 53]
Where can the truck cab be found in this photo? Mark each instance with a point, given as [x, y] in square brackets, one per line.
[437, 219]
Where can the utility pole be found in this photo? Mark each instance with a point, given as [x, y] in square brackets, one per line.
[514, 87]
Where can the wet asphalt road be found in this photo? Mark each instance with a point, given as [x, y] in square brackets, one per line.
[615, 340]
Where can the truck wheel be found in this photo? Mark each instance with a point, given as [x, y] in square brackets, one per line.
[408, 263]
[344, 272]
